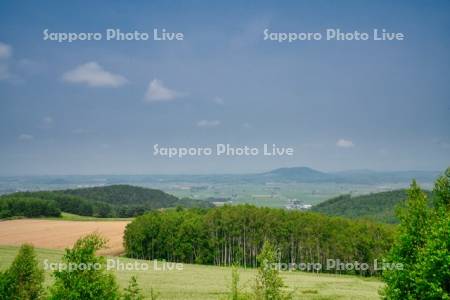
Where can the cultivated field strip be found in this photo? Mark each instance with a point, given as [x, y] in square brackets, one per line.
[55, 234]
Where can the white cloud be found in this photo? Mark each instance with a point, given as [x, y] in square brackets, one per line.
[5, 51]
[25, 137]
[343, 143]
[218, 100]
[208, 123]
[158, 92]
[94, 75]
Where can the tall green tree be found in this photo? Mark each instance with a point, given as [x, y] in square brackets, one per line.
[414, 222]
[441, 192]
[433, 267]
[85, 277]
[24, 279]
[423, 247]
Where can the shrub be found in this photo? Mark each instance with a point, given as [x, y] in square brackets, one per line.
[269, 285]
[235, 293]
[132, 292]
[24, 279]
[84, 283]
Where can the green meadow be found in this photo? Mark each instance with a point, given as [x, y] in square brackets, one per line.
[211, 282]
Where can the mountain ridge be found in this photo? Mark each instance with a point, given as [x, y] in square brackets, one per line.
[307, 174]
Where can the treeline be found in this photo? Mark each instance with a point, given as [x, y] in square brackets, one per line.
[235, 235]
[109, 201]
[378, 207]
[27, 207]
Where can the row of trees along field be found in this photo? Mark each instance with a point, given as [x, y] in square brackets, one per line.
[235, 235]
[28, 207]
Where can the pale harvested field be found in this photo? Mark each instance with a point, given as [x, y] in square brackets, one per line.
[56, 234]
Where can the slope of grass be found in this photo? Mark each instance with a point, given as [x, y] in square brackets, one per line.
[73, 217]
[210, 282]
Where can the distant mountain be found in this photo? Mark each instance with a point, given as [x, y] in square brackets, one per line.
[300, 174]
[305, 174]
[376, 206]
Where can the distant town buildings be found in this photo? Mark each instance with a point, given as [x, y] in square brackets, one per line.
[294, 204]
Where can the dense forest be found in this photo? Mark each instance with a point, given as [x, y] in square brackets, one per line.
[108, 201]
[235, 235]
[27, 207]
[379, 207]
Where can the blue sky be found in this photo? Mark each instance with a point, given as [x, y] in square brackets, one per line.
[98, 107]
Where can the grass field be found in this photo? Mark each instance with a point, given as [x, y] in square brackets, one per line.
[72, 217]
[210, 282]
[275, 194]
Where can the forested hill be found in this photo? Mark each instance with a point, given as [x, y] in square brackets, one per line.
[299, 174]
[126, 194]
[105, 201]
[377, 206]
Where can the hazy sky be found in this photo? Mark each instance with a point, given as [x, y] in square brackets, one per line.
[98, 107]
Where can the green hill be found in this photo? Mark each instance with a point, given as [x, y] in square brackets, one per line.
[376, 206]
[126, 194]
[105, 201]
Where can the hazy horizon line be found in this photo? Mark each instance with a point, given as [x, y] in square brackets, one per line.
[222, 174]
